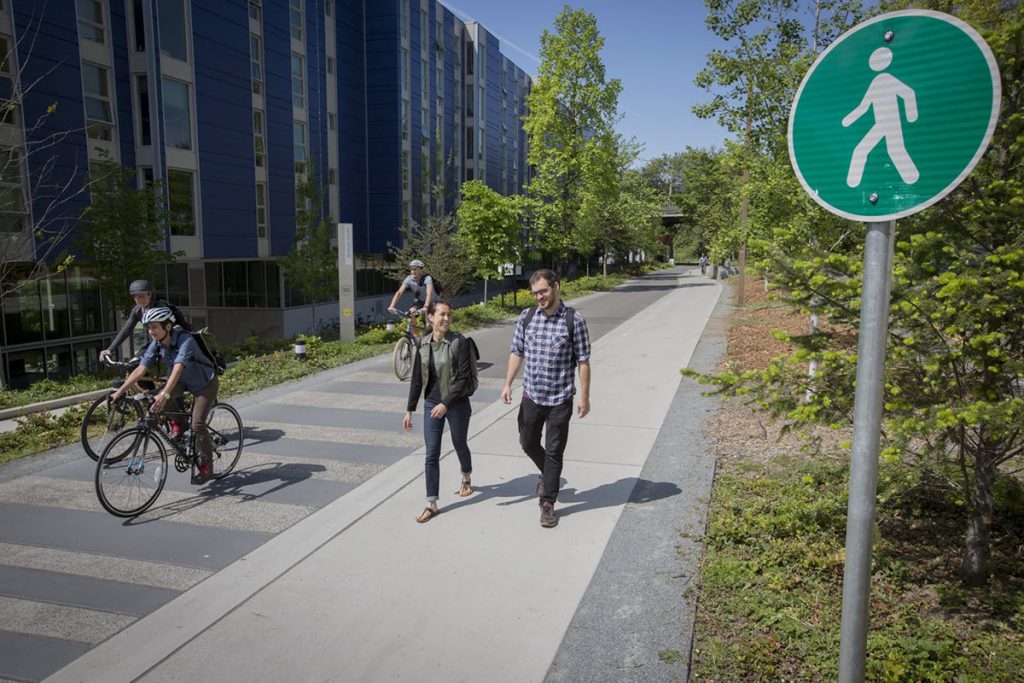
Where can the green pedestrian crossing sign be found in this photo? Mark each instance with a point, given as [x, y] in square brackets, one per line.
[894, 115]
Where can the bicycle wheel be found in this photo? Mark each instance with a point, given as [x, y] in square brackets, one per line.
[102, 422]
[402, 358]
[128, 484]
[226, 437]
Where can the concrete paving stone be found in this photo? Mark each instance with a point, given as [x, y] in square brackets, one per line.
[78, 591]
[101, 533]
[136, 572]
[478, 623]
[60, 621]
[321, 469]
[394, 437]
[26, 657]
[326, 417]
[197, 506]
[386, 404]
[330, 450]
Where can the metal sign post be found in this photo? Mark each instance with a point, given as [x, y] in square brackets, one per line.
[867, 425]
[346, 283]
[888, 120]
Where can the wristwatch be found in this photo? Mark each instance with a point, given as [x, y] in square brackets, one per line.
[167, 397]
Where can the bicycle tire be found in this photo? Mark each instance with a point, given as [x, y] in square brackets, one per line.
[125, 486]
[226, 436]
[401, 358]
[107, 423]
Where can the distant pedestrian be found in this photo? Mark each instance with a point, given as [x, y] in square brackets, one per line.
[703, 264]
[551, 348]
[441, 376]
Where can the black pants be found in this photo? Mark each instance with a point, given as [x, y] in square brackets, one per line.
[554, 421]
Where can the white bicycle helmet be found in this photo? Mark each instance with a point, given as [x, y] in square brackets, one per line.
[157, 315]
[415, 263]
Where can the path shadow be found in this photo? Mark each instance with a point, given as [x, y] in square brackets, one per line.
[659, 288]
[254, 436]
[234, 486]
[519, 490]
[627, 490]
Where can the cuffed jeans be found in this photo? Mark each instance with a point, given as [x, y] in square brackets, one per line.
[458, 421]
[204, 402]
[554, 421]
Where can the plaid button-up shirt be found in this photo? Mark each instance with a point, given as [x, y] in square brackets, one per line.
[548, 377]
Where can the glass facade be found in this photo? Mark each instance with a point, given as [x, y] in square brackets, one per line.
[171, 14]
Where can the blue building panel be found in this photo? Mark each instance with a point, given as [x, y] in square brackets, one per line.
[223, 94]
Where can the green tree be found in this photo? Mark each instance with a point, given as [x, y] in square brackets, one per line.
[572, 110]
[489, 226]
[709, 202]
[954, 403]
[312, 264]
[435, 242]
[123, 233]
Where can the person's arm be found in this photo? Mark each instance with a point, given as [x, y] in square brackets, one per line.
[129, 324]
[514, 362]
[398, 295]
[583, 398]
[133, 377]
[430, 294]
[415, 381]
[172, 381]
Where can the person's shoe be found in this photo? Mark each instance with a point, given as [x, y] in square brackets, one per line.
[548, 518]
[176, 429]
[202, 475]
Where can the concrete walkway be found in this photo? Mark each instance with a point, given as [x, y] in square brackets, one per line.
[359, 592]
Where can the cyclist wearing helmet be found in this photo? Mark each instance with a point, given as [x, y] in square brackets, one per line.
[144, 297]
[420, 284]
[190, 371]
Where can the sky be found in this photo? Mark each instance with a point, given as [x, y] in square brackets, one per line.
[654, 47]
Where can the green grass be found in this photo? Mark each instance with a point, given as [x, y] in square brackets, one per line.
[772, 574]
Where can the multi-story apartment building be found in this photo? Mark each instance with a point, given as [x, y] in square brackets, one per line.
[391, 104]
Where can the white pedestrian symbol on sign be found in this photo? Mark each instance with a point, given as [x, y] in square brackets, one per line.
[883, 95]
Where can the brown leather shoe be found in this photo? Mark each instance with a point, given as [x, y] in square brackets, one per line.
[548, 518]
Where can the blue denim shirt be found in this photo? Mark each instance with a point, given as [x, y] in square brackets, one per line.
[198, 370]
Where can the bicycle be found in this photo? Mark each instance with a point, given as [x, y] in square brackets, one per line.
[132, 471]
[402, 356]
[103, 420]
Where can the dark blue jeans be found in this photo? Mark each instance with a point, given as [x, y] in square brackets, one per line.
[458, 420]
[554, 422]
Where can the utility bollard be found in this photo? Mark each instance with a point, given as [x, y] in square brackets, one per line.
[300, 349]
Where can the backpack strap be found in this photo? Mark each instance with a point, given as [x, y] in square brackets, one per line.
[570, 327]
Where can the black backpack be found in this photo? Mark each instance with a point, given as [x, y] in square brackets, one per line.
[570, 327]
[438, 287]
[207, 344]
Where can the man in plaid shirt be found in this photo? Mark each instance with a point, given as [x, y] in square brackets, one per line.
[548, 383]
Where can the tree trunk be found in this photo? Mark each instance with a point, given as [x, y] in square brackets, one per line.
[975, 568]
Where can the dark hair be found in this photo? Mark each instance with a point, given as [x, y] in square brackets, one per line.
[544, 274]
[435, 303]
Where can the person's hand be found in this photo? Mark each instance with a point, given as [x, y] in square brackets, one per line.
[158, 403]
[104, 354]
[393, 310]
[583, 406]
[506, 393]
[407, 421]
[439, 411]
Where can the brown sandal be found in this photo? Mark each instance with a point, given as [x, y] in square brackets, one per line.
[428, 514]
[466, 489]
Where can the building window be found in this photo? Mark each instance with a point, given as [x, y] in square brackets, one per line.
[405, 170]
[332, 176]
[298, 81]
[176, 283]
[144, 121]
[469, 142]
[180, 202]
[8, 108]
[425, 37]
[255, 11]
[90, 20]
[139, 23]
[405, 119]
[425, 122]
[258, 137]
[329, 8]
[469, 58]
[330, 65]
[295, 18]
[405, 18]
[425, 76]
[98, 112]
[177, 114]
[12, 194]
[256, 62]
[469, 99]
[405, 69]
[299, 134]
[261, 209]
[171, 15]
[332, 122]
